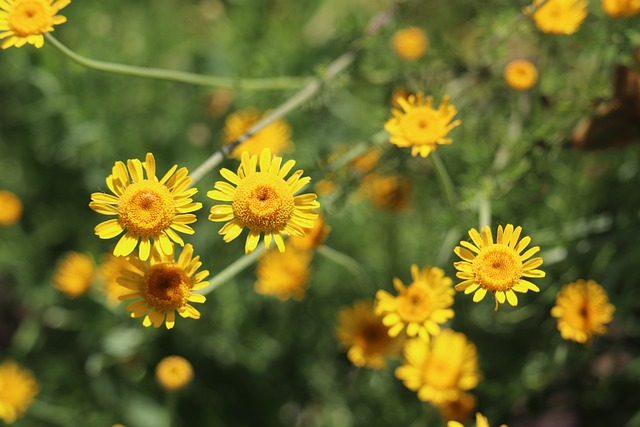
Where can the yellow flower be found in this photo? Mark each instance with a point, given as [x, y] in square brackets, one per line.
[110, 270]
[559, 16]
[367, 339]
[74, 274]
[621, 8]
[283, 274]
[174, 373]
[481, 421]
[10, 208]
[441, 371]
[263, 201]
[366, 161]
[421, 306]
[25, 21]
[521, 74]
[459, 408]
[391, 192]
[163, 287]
[18, 387]
[313, 237]
[497, 267]
[410, 43]
[275, 136]
[418, 125]
[582, 309]
[146, 208]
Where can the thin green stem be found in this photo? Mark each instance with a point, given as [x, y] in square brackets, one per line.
[341, 259]
[447, 186]
[484, 210]
[232, 270]
[178, 76]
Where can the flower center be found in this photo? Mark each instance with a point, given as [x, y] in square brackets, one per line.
[263, 202]
[373, 337]
[422, 126]
[166, 287]
[497, 268]
[441, 373]
[146, 208]
[30, 17]
[415, 304]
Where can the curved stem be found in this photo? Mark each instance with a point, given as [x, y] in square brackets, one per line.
[340, 258]
[230, 272]
[177, 76]
[446, 186]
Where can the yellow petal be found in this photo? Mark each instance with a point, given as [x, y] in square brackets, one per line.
[126, 245]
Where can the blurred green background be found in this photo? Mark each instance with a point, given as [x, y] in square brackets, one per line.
[262, 362]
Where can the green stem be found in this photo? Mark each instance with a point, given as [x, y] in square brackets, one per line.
[178, 76]
[342, 259]
[447, 186]
[232, 270]
[484, 210]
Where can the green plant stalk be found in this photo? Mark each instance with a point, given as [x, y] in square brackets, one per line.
[233, 269]
[447, 186]
[341, 259]
[272, 83]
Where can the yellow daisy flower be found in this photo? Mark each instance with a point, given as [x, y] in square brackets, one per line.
[481, 421]
[366, 338]
[520, 74]
[391, 192]
[263, 201]
[10, 208]
[582, 309]
[276, 136]
[458, 409]
[420, 307]
[18, 387]
[559, 16]
[498, 267]
[410, 43]
[163, 287]
[283, 274]
[621, 8]
[418, 125]
[74, 274]
[174, 373]
[313, 237]
[441, 371]
[145, 208]
[25, 21]
[109, 271]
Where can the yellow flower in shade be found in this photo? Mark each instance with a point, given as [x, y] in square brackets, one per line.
[421, 307]
[366, 338]
[418, 125]
[147, 209]
[520, 74]
[500, 267]
[74, 274]
[174, 373]
[263, 201]
[10, 208]
[391, 192]
[18, 387]
[276, 136]
[283, 274]
[366, 161]
[621, 8]
[481, 421]
[441, 371]
[313, 237]
[25, 21]
[458, 409]
[410, 43]
[559, 16]
[162, 287]
[110, 270]
[582, 309]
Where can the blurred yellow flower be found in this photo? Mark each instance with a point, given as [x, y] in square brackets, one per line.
[146, 208]
[162, 286]
[10, 208]
[109, 271]
[391, 192]
[498, 267]
[441, 371]
[74, 274]
[418, 125]
[410, 43]
[366, 338]
[521, 74]
[219, 101]
[25, 21]
[263, 201]
[458, 409]
[174, 373]
[313, 237]
[420, 307]
[481, 421]
[18, 387]
[276, 136]
[582, 309]
[559, 16]
[366, 161]
[621, 8]
[324, 187]
[283, 274]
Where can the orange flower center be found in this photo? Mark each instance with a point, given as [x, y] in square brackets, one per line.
[373, 336]
[146, 208]
[415, 304]
[263, 202]
[30, 17]
[440, 372]
[497, 268]
[166, 287]
[423, 125]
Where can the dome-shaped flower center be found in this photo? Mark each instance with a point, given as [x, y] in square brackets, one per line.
[422, 125]
[30, 17]
[166, 287]
[146, 208]
[497, 268]
[415, 304]
[263, 202]
[441, 372]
